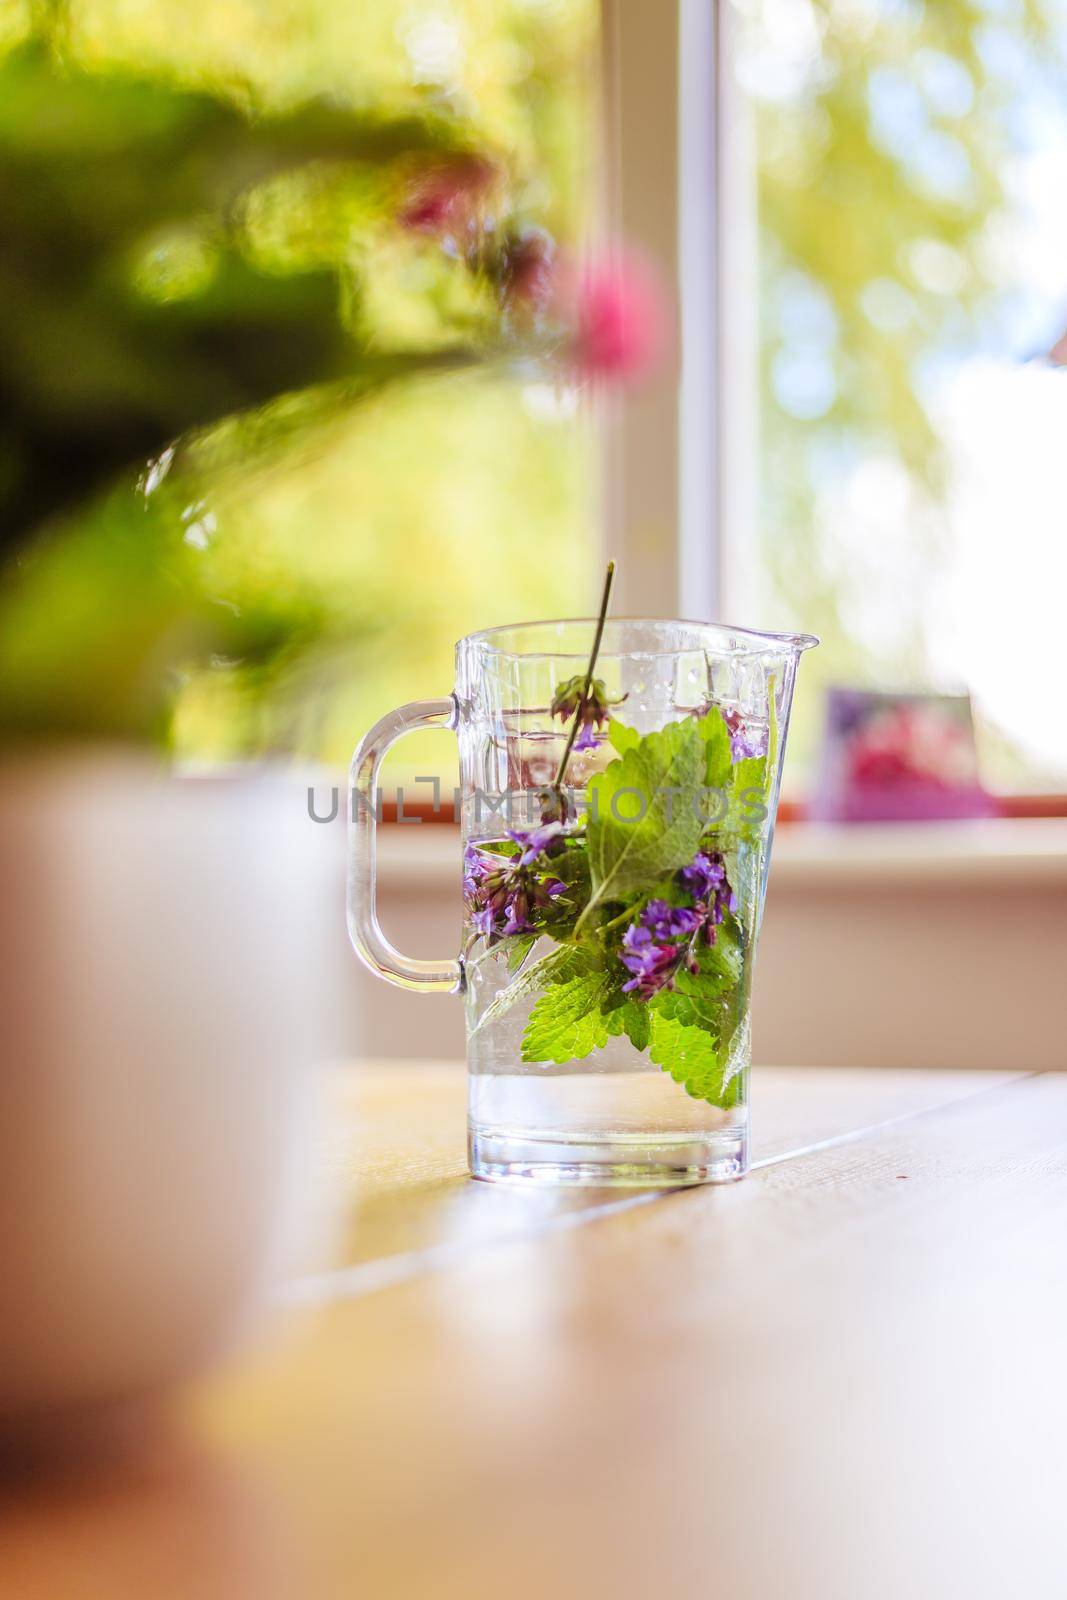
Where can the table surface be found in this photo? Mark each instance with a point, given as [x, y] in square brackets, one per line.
[843, 1377]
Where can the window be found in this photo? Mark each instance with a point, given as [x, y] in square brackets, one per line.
[857, 430]
[899, 260]
[869, 240]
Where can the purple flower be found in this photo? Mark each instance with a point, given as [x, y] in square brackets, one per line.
[536, 841]
[670, 922]
[516, 912]
[503, 893]
[475, 868]
[704, 873]
[705, 879]
[653, 964]
[746, 742]
[571, 699]
[664, 939]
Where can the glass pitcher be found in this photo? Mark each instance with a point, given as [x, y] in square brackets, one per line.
[613, 894]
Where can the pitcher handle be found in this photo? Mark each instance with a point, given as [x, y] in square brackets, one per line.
[368, 940]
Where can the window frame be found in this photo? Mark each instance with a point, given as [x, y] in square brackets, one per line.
[659, 496]
[678, 461]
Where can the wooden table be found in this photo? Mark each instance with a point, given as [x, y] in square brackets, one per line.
[843, 1378]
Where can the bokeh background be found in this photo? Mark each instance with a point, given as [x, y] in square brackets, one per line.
[217, 233]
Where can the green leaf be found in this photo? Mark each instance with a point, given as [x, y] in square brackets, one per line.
[750, 798]
[571, 866]
[694, 1058]
[622, 737]
[569, 1020]
[555, 967]
[627, 1015]
[689, 1053]
[721, 963]
[718, 769]
[691, 1029]
[518, 948]
[751, 773]
[746, 783]
[642, 822]
[499, 847]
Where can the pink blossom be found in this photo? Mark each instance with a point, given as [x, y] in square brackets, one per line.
[530, 268]
[445, 198]
[620, 319]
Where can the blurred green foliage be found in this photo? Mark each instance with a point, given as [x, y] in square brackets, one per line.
[199, 241]
[233, 473]
[136, 306]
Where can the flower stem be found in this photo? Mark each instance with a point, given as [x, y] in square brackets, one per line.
[627, 914]
[609, 578]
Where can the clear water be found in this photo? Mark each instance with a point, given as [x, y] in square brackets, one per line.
[614, 1116]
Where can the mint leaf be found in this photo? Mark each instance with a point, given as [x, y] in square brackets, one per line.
[695, 1058]
[518, 948]
[718, 767]
[569, 1020]
[746, 783]
[626, 1015]
[497, 847]
[750, 798]
[689, 1053]
[555, 967]
[751, 773]
[721, 964]
[622, 737]
[692, 1025]
[642, 821]
[571, 866]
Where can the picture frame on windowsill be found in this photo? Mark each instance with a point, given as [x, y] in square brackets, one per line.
[890, 756]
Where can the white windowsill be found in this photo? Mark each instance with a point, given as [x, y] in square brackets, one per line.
[1002, 851]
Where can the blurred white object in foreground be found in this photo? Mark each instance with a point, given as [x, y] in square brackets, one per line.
[164, 990]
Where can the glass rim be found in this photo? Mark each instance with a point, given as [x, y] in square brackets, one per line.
[748, 641]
